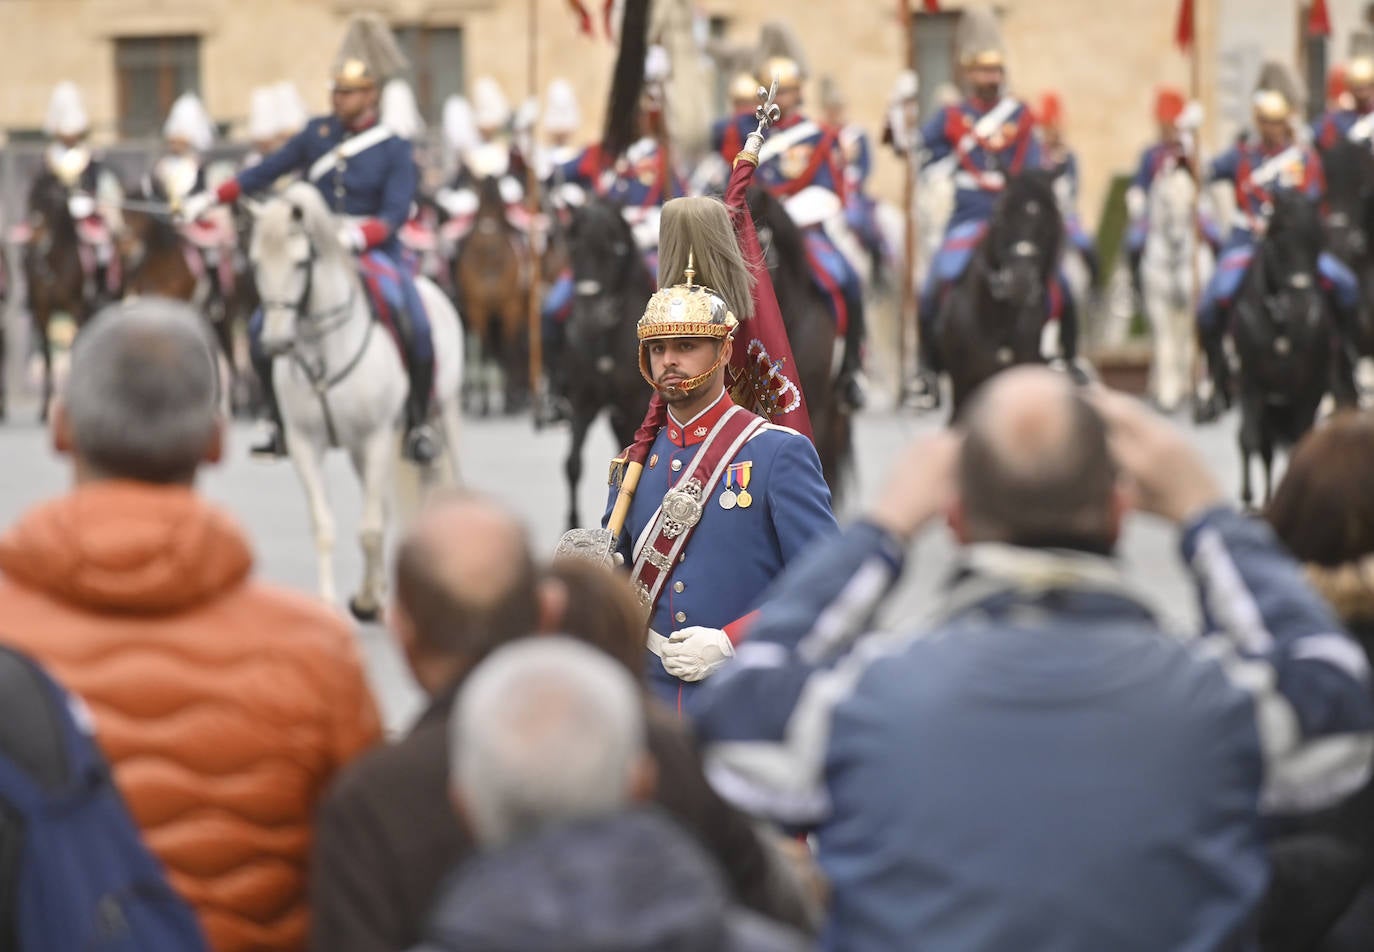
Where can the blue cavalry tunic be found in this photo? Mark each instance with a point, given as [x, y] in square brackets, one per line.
[1337, 124]
[377, 184]
[1258, 172]
[733, 555]
[991, 142]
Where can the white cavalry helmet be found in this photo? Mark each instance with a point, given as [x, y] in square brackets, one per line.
[399, 111]
[560, 108]
[291, 112]
[66, 113]
[188, 120]
[460, 131]
[262, 114]
[489, 106]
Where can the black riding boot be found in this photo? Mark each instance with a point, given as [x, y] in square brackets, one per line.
[556, 408]
[923, 392]
[1133, 259]
[274, 446]
[851, 364]
[420, 443]
[1210, 409]
[1068, 341]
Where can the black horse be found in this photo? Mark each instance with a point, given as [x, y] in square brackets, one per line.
[53, 272]
[1349, 233]
[600, 356]
[1283, 329]
[994, 315]
[811, 333]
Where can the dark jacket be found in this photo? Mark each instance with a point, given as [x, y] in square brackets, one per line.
[633, 882]
[387, 836]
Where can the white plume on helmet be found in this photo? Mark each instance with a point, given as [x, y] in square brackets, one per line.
[188, 120]
[489, 106]
[292, 113]
[262, 114]
[561, 113]
[66, 113]
[460, 129]
[399, 111]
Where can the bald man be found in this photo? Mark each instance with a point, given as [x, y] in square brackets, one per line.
[1042, 767]
[465, 584]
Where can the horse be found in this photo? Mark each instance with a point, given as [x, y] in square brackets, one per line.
[53, 273]
[1173, 259]
[1349, 231]
[1283, 331]
[995, 314]
[612, 287]
[491, 274]
[811, 332]
[340, 380]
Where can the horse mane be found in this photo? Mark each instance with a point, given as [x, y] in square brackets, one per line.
[1347, 168]
[602, 217]
[299, 202]
[1296, 222]
[1034, 185]
[770, 213]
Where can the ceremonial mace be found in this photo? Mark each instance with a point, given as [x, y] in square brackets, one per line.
[599, 545]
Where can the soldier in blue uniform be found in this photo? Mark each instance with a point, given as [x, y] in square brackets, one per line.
[992, 136]
[1271, 159]
[802, 164]
[856, 154]
[368, 176]
[767, 502]
[1353, 120]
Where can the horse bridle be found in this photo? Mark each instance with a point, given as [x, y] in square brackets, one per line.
[999, 278]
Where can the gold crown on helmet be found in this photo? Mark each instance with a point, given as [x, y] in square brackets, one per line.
[787, 71]
[1272, 106]
[354, 74]
[1360, 71]
[686, 310]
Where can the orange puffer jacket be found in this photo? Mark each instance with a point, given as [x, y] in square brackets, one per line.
[225, 706]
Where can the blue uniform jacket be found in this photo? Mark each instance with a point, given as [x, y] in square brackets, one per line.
[733, 555]
[1239, 165]
[638, 179]
[799, 153]
[1044, 768]
[1335, 125]
[377, 183]
[1011, 147]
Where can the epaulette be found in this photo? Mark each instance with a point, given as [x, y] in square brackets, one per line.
[617, 473]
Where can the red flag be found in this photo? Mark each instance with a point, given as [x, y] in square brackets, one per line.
[1184, 30]
[932, 6]
[608, 19]
[762, 366]
[584, 19]
[1318, 19]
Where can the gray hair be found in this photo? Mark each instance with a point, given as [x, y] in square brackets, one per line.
[141, 391]
[546, 730]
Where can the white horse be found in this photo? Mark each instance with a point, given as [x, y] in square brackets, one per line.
[1172, 251]
[339, 377]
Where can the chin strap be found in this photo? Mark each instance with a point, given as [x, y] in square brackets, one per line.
[688, 385]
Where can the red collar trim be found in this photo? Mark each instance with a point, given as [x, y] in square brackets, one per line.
[700, 426]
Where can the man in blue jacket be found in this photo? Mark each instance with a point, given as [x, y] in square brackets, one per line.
[1043, 767]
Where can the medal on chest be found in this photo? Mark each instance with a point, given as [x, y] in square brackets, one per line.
[737, 474]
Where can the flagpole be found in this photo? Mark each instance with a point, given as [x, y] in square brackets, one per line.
[534, 317]
[1195, 95]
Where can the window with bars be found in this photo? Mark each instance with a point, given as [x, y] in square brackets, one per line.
[151, 72]
[436, 66]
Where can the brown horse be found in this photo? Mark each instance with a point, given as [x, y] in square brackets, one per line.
[810, 331]
[53, 274]
[492, 274]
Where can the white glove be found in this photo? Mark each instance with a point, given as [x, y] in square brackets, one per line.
[352, 238]
[694, 653]
[196, 205]
[1192, 116]
[80, 205]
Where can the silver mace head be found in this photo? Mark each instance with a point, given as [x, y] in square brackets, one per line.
[768, 112]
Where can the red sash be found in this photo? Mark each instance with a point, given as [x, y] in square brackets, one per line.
[672, 525]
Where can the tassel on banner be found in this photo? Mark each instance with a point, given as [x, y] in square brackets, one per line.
[1318, 19]
[1183, 30]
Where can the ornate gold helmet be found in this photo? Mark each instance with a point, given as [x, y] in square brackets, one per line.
[1271, 106]
[1277, 94]
[685, 310]
[979, 38]
[743, 86]
[369, 54]
[787, 70]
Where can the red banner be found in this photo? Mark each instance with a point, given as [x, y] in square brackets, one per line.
[932, 6]
[1184, 29]
[1318, 19]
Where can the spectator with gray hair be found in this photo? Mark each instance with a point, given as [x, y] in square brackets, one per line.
[225, 705]
[551, 768]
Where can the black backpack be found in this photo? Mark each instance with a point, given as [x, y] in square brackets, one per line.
[75, 875]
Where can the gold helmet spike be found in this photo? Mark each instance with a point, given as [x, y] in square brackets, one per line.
[1271, 106]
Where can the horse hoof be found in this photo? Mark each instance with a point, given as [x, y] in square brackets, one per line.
[363, 613]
